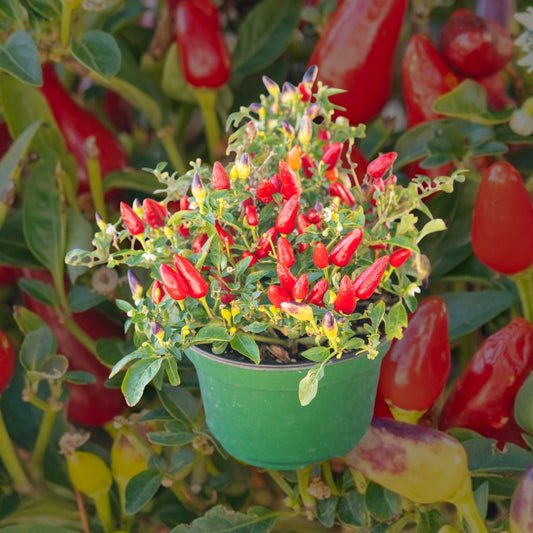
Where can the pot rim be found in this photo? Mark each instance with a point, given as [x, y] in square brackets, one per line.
[279, 367]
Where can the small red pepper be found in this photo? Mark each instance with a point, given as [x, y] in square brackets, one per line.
[301, 288]
[246, 254]
[368, 281]
[302, 224]
[502, 221]
[379, 166]
[154, 213]
[399, 257]
[416, 368]
[198, 243]
[251, 215]
[8, 360]
[483, 397]
[157, 292]
[290, 182]
[204, 55]
[266, 243]
[332, 155]
[285, 252]
[340, 190]
[286, 219]
[344, 250]
[197, 285]
[346, 299]
[131, 220]
[264, 191]
[173, 283]
[277, 295]
[225, 236]
[314, 216]
[320, 255]
[286, 278]
[316, 296]
[219, 178]
[308, 166]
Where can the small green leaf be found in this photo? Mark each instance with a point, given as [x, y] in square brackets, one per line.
[484, 456]
[39, 290]
[181, 459]
[20, 58]
[79, 236]
[382, 503]
[523, 405]
[351, 509]
[264, 35]
[179, 403]
[54, 367]
[173, 83]
[37, 346]
[308, 386]
[317, 353]
[141, 489]
[469, 101]
[171, 368]
[98, 51]
[170, 438]
[326, 510]
[247, 346]
[395, 321]
[132, 180]
[27, 320]
[138, 376]
[79, 377]
[82, 297]
[210, 334]
[431, 227]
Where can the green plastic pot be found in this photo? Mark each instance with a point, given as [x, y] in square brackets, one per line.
[254, 411]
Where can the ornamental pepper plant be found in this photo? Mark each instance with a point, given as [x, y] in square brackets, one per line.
[214, 296]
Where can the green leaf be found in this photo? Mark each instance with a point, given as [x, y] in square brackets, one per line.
[264, 35]
[132, 180]
[523, 405]
[481, 497]
[98, 51]
[351, 509]
[173, 83]
[469, 101]
[141, 489]
[13, 249]
[326, 510]
[39, 290]
[138, 376]
[79, 236]
[316, 354]
[37, 529]
[447, 144]
[55, 367]
[43, 218]
[27, 320]
[382, 503]
[82, 297]
[181, 459]
[210, 334]
[170, 438]
[37, 346]
[485, 457]
[395, 321]
[431, 227]
[79, 377]
[468, 311]
[49, 9]
[20, 58]
[13, 10]
[222, 520]
[430, 522]
[247, 346]
[179, 403]
[171, 369]
[308, 386]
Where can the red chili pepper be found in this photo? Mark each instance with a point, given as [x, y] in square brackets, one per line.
[356, 53]
[157, 292]
[301, 288]
[290, 182]
[483, 397]
[246, 254]
[265, 190]
[174, 283]
[320, 255]
[251, 215]
[332, 175]
[302, 224]
[502, 221]
[197, 285]
[417, 366]
[154, 213]
[286, 278]
[368, 281]
[8, 360]
[381, 165]
[332, 155]
[224, 235]
[340, 190]
[314, 216]
[266, 243]
[355, 157]
[346, 299]
[198, 243]
[77, 125]
[204, 55]
[316, 296]
[131, 220]
[474, 46]
[219, 178]
[277, 295]
[344, 250]
[399, 257]
[308, 166]
[286, 219]
[285, 252]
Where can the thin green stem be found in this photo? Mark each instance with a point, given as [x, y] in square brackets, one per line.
[327, 475]
[176, 159]
[469, 512]
[43, 438]
[271, 340]
[11, 461]
[304, 477]
[103, 509]
[66, 20]
[280, 482]
[207, 99]
[95, 184]
[399, 525]
[524, 284]
[80, 335]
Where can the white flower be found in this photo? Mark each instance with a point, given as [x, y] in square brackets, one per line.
[411, 290]
[521, 122]
[327, 214]
[526, 19]
[525, 40]
[149, 257]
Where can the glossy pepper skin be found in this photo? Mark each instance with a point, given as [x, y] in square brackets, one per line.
[204, 55]
[502, 221]
[343, 252]
[416, 368]
[356, 53]
[368, 281]
[521, 510]
[483, 397]
[77, 125]
[197, 285]
[8, 360]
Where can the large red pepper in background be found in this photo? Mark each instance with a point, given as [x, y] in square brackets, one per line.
[356, 53]
[417, 366]
[502, 222]
[204, 55]
[483, 397]
[77, 125]
[93, 404]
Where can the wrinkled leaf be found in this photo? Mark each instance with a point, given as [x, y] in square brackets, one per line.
[98, 51]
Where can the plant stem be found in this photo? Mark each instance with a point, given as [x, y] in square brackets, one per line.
[468, 511]
[11, 461]
[83, 512]
[271, 340]
[280, 482]
[103, 509]
[80, 335]
[66, 19]
[327, 475]
[95, 183]
[45, 430]
[304, 477]
[207, 99]
[176, 159]
[524, 284]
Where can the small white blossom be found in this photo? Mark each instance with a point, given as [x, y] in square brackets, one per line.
[525, 40]
[149, 257]
[327, 214]
[411, 290]
[521, 122]
[526, 19]
[338, 228]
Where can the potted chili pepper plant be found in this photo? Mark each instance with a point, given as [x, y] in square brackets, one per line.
[272, 272]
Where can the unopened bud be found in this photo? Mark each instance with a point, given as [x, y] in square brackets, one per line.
[135, 286]
[329, 325]
[305, 132]
[298, 310]
[198, 189]
[271, 86]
